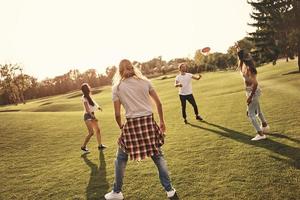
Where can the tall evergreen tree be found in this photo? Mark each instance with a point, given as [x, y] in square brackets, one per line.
[277, 33]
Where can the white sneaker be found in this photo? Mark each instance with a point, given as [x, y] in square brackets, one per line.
[85, 150]
[114, 196]
[265, 129]
[171, 193]
[259, 137]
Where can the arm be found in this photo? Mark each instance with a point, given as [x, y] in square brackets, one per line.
[117, 107]
[177, 84]
[158, 104]
[196, 77]
[240, 65]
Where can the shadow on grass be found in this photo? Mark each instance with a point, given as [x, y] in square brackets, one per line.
[293, 72]
[279, 135]
[13, 110]
[47, 103]
[285, 150]
[98, 185]
[95, 91]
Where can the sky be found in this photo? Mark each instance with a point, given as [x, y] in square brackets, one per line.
[50, 37]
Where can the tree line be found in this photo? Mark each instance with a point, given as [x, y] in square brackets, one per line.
[277, 35]
[17, 87]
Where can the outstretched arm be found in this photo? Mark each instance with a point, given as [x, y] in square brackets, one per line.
[158, 104]
[196, 77]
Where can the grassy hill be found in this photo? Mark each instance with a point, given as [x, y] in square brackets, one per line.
[41, 159]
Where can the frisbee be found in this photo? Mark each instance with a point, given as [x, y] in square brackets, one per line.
[205, 50]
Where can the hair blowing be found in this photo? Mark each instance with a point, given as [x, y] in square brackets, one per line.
[119, 76]
[86, 93]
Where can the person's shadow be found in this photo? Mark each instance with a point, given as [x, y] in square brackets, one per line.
[98, 185]
[285, 150]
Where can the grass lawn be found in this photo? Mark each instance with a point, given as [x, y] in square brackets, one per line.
[41, 159]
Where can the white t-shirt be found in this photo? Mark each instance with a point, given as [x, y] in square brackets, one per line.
[134, 95]
[186, 82]
[91, 108]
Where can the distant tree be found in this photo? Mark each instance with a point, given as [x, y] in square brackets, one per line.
[12, 83]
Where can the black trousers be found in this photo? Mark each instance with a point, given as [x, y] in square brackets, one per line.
[191, 100]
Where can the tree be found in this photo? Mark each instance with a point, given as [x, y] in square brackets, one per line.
[12, 83]
[277, 34]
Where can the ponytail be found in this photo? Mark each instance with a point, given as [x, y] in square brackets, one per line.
[86, 93]
[91, 102]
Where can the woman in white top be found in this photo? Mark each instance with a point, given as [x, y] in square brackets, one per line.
[253, 92]
[90, 106]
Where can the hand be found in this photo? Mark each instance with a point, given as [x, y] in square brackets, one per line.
[162, 127]
[179, 85]
[121, 127]
[249, 100]
[200, 76]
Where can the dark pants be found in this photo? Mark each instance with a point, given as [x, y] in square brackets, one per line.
[191, 100]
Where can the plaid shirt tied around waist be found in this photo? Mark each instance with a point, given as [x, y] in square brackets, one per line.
[141, 137]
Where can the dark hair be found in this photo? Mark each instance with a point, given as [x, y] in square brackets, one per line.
[86, 93]
[248, 60]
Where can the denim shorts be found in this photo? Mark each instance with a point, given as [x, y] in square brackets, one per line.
[88, 116]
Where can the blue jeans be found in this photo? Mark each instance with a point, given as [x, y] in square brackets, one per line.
[120, 165]
[253, 109]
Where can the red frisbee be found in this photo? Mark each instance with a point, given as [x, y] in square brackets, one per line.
[205, 50]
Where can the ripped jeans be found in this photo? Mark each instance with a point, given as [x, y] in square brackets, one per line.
[253, 110]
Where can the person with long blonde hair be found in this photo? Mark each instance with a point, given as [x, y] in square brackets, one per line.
[140, 137]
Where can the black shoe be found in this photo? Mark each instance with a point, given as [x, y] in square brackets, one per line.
[185, 121]
[199, 118]
[101, 147]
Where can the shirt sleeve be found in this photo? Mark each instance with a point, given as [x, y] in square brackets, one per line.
[115, 96]
[150, 86]
[83, 99]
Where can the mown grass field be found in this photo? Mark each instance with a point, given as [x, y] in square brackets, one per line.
[41, 158]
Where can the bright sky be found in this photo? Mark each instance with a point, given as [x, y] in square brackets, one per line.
[50, 37]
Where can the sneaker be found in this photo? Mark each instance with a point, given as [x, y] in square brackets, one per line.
[185, 121]
[101, 147]
[171, 193]
[85, 150]
[265, 129]
[199, 118]
[259, 137]
[114, 196]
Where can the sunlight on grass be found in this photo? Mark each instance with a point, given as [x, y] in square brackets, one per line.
[41, 158]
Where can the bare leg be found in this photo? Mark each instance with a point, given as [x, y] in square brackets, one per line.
[90, 132]
[97, 130]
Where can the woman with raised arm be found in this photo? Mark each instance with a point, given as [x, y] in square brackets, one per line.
[253, 92]
[140, 136]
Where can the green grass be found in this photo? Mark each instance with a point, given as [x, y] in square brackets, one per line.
[40, 157]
